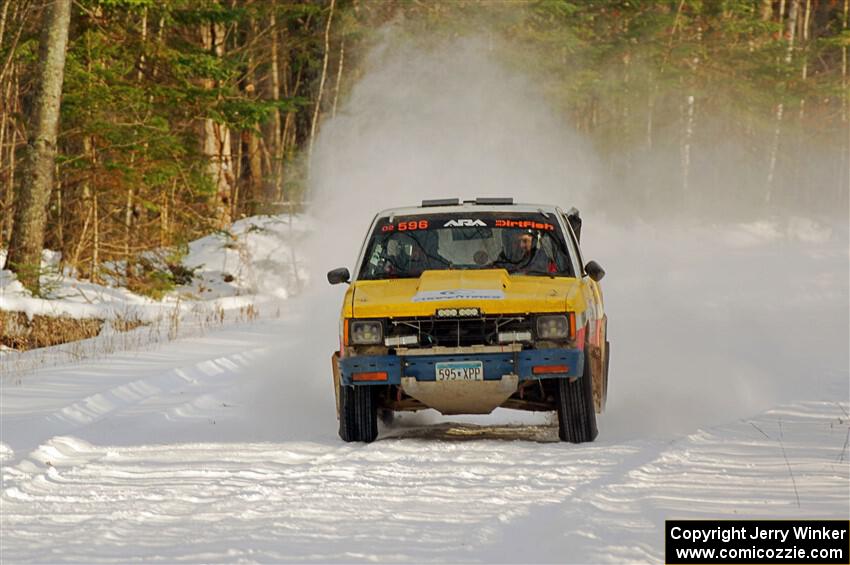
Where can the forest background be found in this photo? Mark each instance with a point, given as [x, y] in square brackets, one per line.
[178, 117]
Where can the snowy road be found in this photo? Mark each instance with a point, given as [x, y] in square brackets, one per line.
[223, 447]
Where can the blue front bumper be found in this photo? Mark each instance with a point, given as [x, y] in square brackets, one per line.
[423, 367]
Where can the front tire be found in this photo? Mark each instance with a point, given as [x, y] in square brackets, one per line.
[576, 410]
[358, 413]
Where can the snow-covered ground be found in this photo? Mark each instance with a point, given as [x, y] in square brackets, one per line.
[729, 398]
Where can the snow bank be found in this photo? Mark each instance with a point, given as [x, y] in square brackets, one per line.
[260, 255]
[237, 275]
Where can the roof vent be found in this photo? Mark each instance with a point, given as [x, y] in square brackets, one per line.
[440, 202]
[494, 201]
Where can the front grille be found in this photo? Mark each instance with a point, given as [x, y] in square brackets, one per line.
[457, 332]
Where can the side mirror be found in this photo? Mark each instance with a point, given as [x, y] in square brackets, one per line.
[594, 270]
[340, 275]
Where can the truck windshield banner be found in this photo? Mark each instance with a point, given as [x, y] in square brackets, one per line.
[415, 223]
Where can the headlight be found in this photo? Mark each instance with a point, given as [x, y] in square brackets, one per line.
[367, 333]
[553, 327]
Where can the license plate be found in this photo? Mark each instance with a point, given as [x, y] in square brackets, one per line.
[460, 371]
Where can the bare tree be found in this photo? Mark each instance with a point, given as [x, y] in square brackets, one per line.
[217, 143]
[273, 132]
[845, 107]
[766, 10]
[338, 76]
[791, 29]
[37, 179]
[807, 16]
[317, 108]
[790, 36]
[251, 139]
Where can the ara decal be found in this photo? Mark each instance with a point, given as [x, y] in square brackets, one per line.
[464, 223]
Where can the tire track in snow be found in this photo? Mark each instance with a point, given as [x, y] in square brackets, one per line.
[202, 375]
[413, 499]
[402, 499]
[727, 471]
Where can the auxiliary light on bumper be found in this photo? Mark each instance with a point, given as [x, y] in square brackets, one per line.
[398, 340]
[511, 337]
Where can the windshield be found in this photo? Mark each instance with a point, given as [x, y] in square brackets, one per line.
[528, 244]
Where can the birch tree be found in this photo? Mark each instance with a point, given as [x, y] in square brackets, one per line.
[318, 106]
[216, 142]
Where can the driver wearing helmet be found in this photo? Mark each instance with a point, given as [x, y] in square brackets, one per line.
[533, 258]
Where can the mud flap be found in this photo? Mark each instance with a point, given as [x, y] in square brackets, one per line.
[335, 365]
[598, 356]
[605, 374]
[594, 355]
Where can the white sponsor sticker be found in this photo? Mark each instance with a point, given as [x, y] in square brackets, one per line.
[459, 294]
[464, 223]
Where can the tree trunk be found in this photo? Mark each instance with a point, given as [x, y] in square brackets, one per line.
[3, 13]
[844, 64]
[791, 28]
[847, 156]
[318, 106]
[846, 105]
[255, 171]
[251, 142]
[686, 144]
[128, 232]
[338, 76]
[60, 217]
[237, 175]
[75, 257]
[9, 216]
[92, 213]
[766, 10]
[774, 150]
[273, 189]
[163, 219]
[650, 115]
[10, 189]
[7, 190]
[217, 145]
[129, 205]
[805, 37]
[20, 15]
[95, 253]
[31, 210]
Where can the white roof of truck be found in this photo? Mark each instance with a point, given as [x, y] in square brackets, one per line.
[467, 207]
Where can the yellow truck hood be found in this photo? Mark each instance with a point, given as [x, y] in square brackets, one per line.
[493, 291]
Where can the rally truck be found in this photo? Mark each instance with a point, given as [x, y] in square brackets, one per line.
[468, 306]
